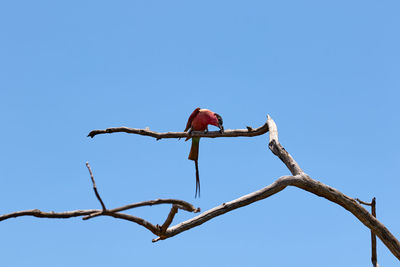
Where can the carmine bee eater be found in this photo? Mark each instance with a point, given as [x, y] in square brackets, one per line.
[199, 121]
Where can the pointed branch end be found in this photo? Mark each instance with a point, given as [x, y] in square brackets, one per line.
[92, 134]
[156, 239]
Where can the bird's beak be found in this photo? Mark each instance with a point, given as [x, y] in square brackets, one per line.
[221, 127]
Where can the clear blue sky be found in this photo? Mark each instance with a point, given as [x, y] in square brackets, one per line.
[326, 71]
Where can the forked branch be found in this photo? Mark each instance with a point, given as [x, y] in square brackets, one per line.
[155, 229]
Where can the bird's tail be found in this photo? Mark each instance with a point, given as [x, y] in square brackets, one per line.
[194, 155]
[197, 179]
[194, 150]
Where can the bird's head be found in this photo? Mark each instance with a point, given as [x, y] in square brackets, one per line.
[218, 121]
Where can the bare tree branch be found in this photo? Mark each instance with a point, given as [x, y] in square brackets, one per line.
[180, 203]
[249, 132]
[374, 257]
[298, 179]
[78, 213]
[154, 229]
[43, 214]
[364, 203]
[94, 187]
[278, 149]
[169, 219]
[332, 194]
[270, 190]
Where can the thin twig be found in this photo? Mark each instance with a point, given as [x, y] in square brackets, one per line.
[170, 217]
[95, 188]
[43, 214]
[364, 203]
[78, 213]
[134, 219]
[374, 256]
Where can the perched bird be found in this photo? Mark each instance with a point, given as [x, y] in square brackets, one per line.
[199, 121]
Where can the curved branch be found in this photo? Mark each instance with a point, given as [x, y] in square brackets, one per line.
[249, 132]
[350, 204]
[304, 182]
[332, 194]
[155, 230]
[180, 204]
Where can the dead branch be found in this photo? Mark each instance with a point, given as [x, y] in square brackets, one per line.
[51, 214]
[268, 191]
[374, 257]
[94, 187]
[332, 194]
[363, 202]
[179, 203]
[298, 179]
[168, 221]
[249, 132]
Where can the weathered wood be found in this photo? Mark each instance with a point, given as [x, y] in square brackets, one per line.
[278, 149]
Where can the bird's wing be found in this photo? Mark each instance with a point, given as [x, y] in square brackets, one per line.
[192, 116]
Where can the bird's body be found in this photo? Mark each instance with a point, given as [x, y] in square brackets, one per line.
[199, 121]
[202, 118]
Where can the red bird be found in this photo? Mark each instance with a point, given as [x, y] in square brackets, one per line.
[199, 121]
